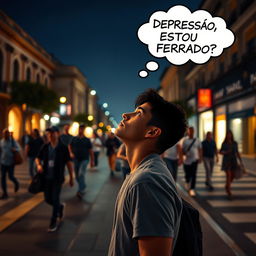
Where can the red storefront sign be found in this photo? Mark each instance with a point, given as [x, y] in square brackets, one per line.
[204, 98]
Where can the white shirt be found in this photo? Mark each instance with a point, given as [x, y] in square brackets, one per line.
[192, 155]
[95, 141]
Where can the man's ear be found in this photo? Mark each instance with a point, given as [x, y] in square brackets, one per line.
[153, 132]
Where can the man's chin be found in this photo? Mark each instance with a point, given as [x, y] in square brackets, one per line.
[119, 133]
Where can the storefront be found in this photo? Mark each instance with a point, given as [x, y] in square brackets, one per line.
[205, 124]
[241, 121]
[234, 100]
[15, 122]
[220, 125]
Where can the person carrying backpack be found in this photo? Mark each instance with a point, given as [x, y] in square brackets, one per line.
[192, 150]
[148, 206]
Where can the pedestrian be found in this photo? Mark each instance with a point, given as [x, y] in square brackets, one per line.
[80, 150]
[96, 147]
[192, 149]
[51, 162]
[121, 154]
[148, 207]
[32, 149]
[8, 146]
[112, 144]
[66, 137]
[25, 139]
[209, 149]
[229, 150]
[173, 158]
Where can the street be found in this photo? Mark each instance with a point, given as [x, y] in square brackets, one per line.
[228, 225]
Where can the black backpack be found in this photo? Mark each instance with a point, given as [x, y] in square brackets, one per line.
[189, 240]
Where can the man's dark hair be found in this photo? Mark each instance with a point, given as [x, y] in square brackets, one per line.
[169, 117]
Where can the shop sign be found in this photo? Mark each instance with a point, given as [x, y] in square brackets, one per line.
[204, 98]
[234, 87]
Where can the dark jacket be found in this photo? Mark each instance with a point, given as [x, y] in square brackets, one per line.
[61, 158]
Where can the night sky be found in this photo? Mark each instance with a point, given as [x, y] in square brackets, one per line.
[100, 38]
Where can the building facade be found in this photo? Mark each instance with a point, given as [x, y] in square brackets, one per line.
[223, 91]
[21, 59]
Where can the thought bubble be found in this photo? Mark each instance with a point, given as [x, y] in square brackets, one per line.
[143, 73]
[180, 35]
[152, 65]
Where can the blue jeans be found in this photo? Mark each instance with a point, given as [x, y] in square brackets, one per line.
[31, 166]
[10, 170]
[80, 171]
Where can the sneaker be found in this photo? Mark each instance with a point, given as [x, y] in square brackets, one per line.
[79, 195]
[16, 187]
[192, 192]
[53, 226]
[62, 211]
[187, 186]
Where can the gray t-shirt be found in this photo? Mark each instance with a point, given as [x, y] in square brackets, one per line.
[147, 205]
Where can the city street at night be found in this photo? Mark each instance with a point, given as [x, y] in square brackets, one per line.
[112, 112]
[228, 226]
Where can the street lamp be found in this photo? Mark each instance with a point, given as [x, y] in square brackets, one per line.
[107, 113]
[63, 99]
[105, 105]
[46, 117]
[90, 118]
[93, 92]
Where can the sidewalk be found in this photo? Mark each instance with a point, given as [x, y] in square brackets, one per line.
[86, 229]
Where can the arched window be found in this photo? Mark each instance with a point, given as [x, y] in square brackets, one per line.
[1, 67]
[16, 70]
[38, 78]
[28, 75]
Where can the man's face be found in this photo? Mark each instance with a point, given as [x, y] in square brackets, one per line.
[134, 125]
[191, 132]
[52, 136]
[81, 131]
[6, 134]
[66, 129]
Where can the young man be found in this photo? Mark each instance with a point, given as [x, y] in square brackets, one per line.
[51, 161]
[192, 149]
[148, 208]
[209, 150]
[80, 150]
[66, 137]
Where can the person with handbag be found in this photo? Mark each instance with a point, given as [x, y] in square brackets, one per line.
[192, 149]
[229, 150]
[51, 162]
[8, 148]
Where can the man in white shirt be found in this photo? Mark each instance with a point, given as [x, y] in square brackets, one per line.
[192, 149]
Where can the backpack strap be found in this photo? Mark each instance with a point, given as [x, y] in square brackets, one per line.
[190, 146]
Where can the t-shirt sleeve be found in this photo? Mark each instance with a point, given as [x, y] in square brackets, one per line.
[152, 211]
[89, 144]
[66, 155]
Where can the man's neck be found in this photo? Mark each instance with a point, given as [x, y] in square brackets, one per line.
[136, 153]
[54, 143]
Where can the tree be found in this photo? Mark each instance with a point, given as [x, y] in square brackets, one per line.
[34, 95]
[82, 118]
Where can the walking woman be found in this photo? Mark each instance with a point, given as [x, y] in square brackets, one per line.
[7, 147]
[230, 153]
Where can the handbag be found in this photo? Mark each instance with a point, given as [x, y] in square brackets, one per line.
[37, 184]
[17, 158]
[239, 171]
